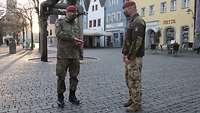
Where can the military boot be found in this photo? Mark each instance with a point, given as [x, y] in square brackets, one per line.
[128, 103]
[72, 98]
[134, 108]
[60, 101]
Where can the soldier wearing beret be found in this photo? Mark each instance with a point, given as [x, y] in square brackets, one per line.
[69, 44]
[133, 52]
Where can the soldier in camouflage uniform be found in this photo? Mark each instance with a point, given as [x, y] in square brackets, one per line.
[69, 43]
[133, 51]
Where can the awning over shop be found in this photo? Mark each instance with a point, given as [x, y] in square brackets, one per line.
[87, 32]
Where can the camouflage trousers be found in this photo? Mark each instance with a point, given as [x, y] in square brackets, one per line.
[133, 80]
[62, 66]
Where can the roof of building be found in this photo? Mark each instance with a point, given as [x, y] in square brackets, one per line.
[102, 2]
[87, 3]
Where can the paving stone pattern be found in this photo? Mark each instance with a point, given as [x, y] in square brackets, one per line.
[170, 84]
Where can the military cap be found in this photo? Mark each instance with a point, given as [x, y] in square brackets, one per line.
[128, 3]
[71, 8]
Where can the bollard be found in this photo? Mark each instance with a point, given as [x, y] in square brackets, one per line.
[12, 46]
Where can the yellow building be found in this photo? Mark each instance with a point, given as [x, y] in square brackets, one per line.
[172, 19]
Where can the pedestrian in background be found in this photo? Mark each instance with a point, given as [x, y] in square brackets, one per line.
[133, 52]
[69, 43]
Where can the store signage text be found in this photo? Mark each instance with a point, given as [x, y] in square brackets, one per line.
[172, 21]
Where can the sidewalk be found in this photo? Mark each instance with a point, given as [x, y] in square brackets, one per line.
[4, 49]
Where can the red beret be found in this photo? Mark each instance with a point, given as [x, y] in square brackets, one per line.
[71, 8]
[128, 3]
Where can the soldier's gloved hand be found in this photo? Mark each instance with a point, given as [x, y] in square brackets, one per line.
[79, 42]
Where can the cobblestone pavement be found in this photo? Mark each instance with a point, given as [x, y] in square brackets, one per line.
[170, 84]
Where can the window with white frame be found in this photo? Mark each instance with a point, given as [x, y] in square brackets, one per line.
[113, 17]
[163, 7]
[142, 13]
[151, 10]
[173, 5]
[93, 8]
[90, 23]
[96, 7]
[99, 22]
[117, 2]
[111, 2]
[119, 16]
[185, 3]
[94, 23]
[108, 19]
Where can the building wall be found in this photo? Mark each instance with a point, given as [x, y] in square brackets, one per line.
[115, 21]
[161, 21]
[85, 17]
[197, 38]
[95, 14]
[198, 16]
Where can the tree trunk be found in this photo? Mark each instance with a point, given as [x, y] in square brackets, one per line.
[40, 44]
[23, 40]
[32, 46]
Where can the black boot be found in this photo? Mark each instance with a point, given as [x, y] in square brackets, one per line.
[72, 98]
[127, 104]
[60, 101]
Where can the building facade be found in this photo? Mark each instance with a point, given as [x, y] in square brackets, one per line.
[167, 21]
[115, 22]
[52, 19]
[95, 24]
[197, 21]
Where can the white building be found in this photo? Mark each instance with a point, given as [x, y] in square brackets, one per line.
[94, 35]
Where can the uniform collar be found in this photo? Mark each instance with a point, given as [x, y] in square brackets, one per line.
[67, 20]
[133, 17]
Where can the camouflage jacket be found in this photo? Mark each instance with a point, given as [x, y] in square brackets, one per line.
[133, 45]
[66, 31]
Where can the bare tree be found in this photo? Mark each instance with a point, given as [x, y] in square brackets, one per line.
[12, 21]
[28, 13]
[36, 5]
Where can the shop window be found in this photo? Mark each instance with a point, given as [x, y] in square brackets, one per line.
[170, 35]
[184, 34]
